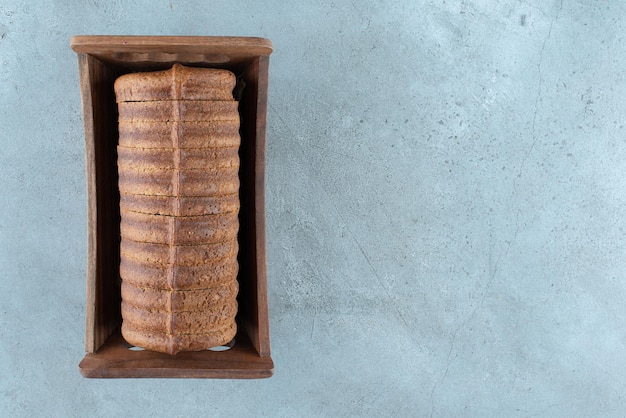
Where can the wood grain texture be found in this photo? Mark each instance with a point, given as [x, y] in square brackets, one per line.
[253, 292]
[100, 115]
[160, 52]
[228, 45]
[262, 313]
[114, 360]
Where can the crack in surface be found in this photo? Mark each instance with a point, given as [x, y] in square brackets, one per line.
[356, 241]
[537, 98]
[470, 317]
[445, 372]
[539, 9]
[516, 230]
[313, 324]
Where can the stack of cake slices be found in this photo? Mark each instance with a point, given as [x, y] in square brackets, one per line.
[178, 168]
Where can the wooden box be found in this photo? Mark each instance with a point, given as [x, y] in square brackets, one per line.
[101, 59]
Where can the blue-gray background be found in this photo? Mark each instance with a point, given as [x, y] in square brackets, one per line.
[445, 209]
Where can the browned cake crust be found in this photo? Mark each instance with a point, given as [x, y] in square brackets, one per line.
[179, 206]
[179, 82]
[178, 230]
[214, 316]
[180, 300]
[178, 166]
[207, 182]
[172, 344]
[178, 110]
[176, 158]
[176, 277]
[182, 255]
[175, 134]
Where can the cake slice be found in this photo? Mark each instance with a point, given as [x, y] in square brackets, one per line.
[179, 206]
[179, 134]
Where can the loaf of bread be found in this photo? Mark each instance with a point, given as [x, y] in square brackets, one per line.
[178, 163]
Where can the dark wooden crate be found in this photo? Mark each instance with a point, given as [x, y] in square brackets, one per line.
[101, 59]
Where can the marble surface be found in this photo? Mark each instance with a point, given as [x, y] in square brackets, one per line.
[445, 209]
